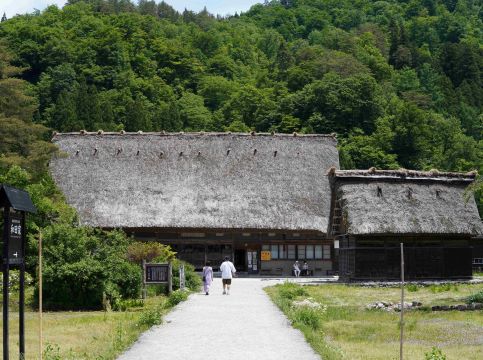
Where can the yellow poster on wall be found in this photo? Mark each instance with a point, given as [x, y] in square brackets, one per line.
[266, 255]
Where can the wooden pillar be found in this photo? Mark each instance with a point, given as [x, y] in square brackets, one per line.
[21, 323]
[402, 304]
[170, 278]
[232, 247]
[6, 225]
[144, 292]
[206, 252]
[41, 346]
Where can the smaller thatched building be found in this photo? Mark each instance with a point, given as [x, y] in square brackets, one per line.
[373, 211]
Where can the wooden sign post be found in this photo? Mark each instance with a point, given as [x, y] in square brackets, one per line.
[402, 304]
[41, 337]
[15, 204]
[182, 280]
[158, 274]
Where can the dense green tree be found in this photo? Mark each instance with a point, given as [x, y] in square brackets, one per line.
[411, 128]
[147, 7]
[388, 77]
[215, 90]
[138, 117]
[82, 265]
[63, 116]
[342, 103]
[87, 107]
[462, 62]
[193, 113]
[166, 11]
[22, 142]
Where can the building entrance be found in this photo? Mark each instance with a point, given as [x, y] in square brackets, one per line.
[247, 260]
[240, 256]
[252, 261]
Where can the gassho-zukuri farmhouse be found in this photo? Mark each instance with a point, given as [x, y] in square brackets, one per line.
[267, 200]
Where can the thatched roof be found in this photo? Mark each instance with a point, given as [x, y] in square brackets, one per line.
[406, 202]
[197, 180]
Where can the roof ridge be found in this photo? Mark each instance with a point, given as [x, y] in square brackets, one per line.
[374, 173]
[200, 133]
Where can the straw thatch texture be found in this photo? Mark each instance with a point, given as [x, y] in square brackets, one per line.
[406, 202]
[211, 181]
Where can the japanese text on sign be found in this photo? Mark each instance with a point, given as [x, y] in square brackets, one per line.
[15, 228]
[156, 273]
[15, 248]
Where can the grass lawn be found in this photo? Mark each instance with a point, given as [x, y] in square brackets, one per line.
[344, 329]
[83, 335]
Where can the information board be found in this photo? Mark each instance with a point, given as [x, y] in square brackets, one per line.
[266, 255]
[156, 273]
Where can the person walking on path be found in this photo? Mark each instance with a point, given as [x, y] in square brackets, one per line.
[296, 269]
[227, 270]
[207, 277]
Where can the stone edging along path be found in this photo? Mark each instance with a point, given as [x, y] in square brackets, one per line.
[461, 307]
[244, 325]
[393, 284]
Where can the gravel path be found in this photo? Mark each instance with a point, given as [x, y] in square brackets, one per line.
[243, 325]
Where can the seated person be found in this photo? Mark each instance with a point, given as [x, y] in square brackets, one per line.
[296, 269]
[305, 269]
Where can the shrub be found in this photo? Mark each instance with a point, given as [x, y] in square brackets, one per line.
[290, 291]
[124, 280]
[475, 298]
[76, 285]
[82, 264]
[307, 316]
[148, 251]
[151, 317]
[156, 289]
[442, 288]
[176, 297]
[123, 305]
[412, 287]
[52, 352]
[435, 354]
[14, 280]
[192, 279]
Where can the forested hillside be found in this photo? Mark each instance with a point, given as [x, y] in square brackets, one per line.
[399, 81]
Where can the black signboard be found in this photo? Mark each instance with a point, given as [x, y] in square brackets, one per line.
[15, 204]
[156, 273]
[15, 237]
